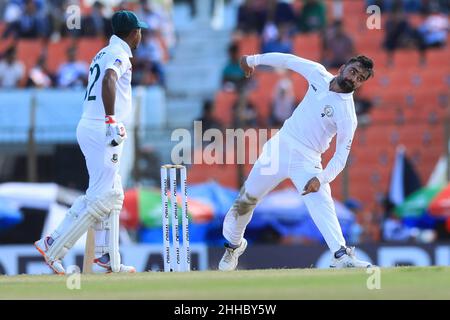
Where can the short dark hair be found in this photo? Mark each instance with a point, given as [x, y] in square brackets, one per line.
[365, 62]
[123, 34]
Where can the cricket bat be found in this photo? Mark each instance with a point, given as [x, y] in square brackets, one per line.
[89, 251]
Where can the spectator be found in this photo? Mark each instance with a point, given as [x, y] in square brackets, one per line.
[39, 76]
[357, 229]
[30, 23]
[232, 74]
[13, 11]
[434, 29]
[72, 73]
[312, 16]
[68, 16]
[56, 15]
[150, 15]
[96, 24]
[150, 58]
[400, 34]
[283, 102]
[337, 10]
[208, 120]
[282, 14]
[338, 47]
[410, 6]
[394, 230]
[276, 40]
[245, 115]
[442, 6]
[11, 70]
[158, 19]
[252, 16]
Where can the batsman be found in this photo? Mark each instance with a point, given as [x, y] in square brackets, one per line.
[100, 134]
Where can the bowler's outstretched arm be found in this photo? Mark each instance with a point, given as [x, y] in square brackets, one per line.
[287, 61]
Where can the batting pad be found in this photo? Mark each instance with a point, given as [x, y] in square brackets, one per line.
[95, 211]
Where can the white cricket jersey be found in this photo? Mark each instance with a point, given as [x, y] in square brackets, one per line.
[115, 56]
[320, 115]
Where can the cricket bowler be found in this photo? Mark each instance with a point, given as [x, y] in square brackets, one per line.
[100, 134]
[326, 110]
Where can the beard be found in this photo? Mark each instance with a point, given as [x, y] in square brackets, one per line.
[345, 85]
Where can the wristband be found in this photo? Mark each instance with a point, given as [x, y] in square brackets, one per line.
[110, 119]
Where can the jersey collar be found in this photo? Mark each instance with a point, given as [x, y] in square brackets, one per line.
[344, 96]
[116, 40]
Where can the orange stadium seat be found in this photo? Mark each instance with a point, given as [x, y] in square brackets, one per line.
[266, 82]
[368, 41]
[88, 47]
[57, 53]
[353, 8]
[261, 96]
[249, 44]
[383, 135]
[433, 78]
[308, 46]
[5, 44]
[223, 107]
[406, 58]
[28, 51]
[300, 86]
[438, 58]
[383, 115]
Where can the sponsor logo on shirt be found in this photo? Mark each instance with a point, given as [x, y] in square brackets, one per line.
[315, 89]
[327, 111]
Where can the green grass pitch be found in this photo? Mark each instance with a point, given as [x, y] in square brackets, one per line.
[272, 284]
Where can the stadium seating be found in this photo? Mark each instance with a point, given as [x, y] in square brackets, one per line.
[57, 53]
[410, 103]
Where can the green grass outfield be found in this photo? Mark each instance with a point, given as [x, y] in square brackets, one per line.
[273, 284]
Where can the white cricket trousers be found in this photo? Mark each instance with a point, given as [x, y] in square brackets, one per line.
[102, 160]
[279, 160]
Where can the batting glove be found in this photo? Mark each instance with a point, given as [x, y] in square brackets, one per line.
[115, 131]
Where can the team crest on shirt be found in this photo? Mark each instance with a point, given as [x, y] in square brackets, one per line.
[327, 111]
[115, 158]
[118, 63]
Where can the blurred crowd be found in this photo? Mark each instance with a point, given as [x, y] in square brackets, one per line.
[46, 20]
[276, 22]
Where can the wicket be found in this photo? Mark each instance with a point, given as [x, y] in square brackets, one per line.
[182, 261]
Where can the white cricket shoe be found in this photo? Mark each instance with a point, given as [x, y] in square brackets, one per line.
[42, 246]
[347, 259]
[105, 263]
[230, 258]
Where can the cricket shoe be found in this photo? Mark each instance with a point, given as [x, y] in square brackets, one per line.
[42, 246]
[230, 258]
[105, 263]
[345, 258]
